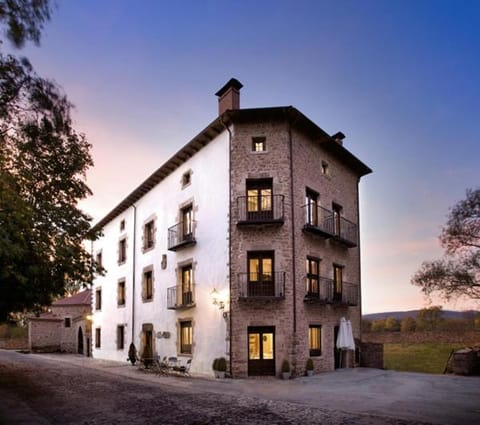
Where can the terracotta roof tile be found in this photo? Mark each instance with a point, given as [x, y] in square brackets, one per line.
[82, 298]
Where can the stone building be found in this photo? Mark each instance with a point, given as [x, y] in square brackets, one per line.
[65, 328]
[244, 244]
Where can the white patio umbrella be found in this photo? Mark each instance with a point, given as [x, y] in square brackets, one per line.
[351, 341]
[342, 338]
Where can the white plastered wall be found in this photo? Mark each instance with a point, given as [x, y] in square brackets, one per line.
[208, 191]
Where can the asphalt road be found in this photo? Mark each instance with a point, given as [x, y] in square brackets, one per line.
[65, 389]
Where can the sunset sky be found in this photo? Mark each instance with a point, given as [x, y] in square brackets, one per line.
[400, 78]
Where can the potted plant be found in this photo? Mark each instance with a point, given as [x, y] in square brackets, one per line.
[221, 367]
[214, 367]
[285, 369]
[309, 367]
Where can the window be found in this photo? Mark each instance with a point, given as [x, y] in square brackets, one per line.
[120, 337]
[259, 199]
[337, 214]
[67, 322]
[315, 340]
[121, 293]
[149, 235]
[147, 290]
[187, 222]
[98, 337]
[312, 206]
[98, 299]
[186, 178]
[186, 338]
[337, 282]
[313, 278]
[261, 280]
[122, 225]
[187, 285]
[325, 171]
[122, 251]
[98, 259]
[259, 144]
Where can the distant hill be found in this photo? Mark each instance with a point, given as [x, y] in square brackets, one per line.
[399, 315]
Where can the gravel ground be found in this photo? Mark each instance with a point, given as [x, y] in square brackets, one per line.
[34, 390]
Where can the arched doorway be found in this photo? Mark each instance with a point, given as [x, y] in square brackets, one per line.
[80, 341]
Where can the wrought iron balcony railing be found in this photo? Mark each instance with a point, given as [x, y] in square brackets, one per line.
[324, 290]
[181, 235]
[321, 221]
[267, 209]
[180, 297]
[261, 286]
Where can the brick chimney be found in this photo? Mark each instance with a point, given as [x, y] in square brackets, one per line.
[338, 137]
[229, 96]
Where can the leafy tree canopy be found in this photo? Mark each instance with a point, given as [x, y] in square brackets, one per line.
[43, 162]
[458, 273]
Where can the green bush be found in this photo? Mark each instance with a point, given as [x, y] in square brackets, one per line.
[285, 366]
[222, 364]
[309, 364]
[215, 364]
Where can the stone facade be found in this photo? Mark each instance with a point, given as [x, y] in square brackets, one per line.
[65, 328]
[292, 159]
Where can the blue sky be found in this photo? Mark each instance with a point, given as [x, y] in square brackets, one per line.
[400, 78]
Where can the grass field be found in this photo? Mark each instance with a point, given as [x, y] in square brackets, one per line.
[427, 357]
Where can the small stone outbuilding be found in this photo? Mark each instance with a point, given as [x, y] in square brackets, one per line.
[66, 328]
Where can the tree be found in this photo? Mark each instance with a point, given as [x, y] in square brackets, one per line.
[458, 273]
[392, 324]
[429, 319]
[43, 162]
[378, 325]
[408, 324]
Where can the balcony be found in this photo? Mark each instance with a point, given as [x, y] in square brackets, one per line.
[325, 223]
[261, 286]
[181, 235]
[179, 298]
[254, 210]
[322, 291]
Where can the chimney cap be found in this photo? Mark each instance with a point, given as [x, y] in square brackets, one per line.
[338, 136]
[233, 82]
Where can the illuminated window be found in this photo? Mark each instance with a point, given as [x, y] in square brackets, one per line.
[313, 276]
[261, 277]
[325, 170]
[337, 282]
[315, 340]
[312, 206]
[259, 199]
[121, 293]
[259, 144]
[186, 337]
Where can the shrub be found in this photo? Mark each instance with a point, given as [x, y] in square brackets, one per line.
[285, 366]
[215, 364]
[309, 364]
[222, 364]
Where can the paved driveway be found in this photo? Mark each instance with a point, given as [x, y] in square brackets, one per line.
[437, 399]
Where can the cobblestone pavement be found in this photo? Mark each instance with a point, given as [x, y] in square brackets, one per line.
[39, 389]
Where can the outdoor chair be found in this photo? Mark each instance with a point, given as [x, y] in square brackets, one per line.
[183, 369]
